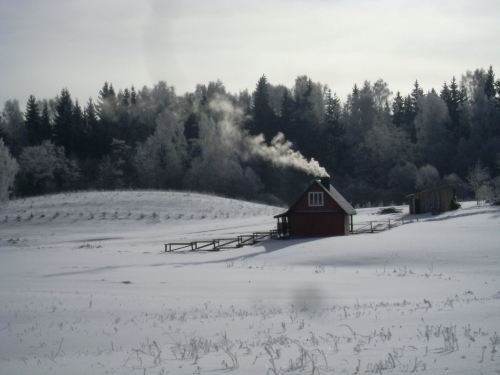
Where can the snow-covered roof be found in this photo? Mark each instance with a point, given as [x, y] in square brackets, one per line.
[340, 200]
[336, 196]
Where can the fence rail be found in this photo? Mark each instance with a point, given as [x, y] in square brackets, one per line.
[375, 226]
[251, 239]
[221, 243]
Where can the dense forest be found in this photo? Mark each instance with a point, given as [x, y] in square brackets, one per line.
[266, 145]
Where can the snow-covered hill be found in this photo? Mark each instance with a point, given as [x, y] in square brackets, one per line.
[87, 289]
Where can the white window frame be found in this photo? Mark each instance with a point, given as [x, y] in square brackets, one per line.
[316, 199]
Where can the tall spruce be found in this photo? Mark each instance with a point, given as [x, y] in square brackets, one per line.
[33, 122]
[411, 108]
[123, 117]
[97, 136]
[78, 144]
[107, 108]
[263, 116]
[489, 84]
[63, 120]
[398, 110]
[454, 96]
[333, 146]
[46, 123]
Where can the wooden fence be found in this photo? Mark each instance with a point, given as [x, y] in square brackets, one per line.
[251, 239]
[375, 226]
[222, 243]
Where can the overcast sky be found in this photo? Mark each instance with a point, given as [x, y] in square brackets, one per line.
[51, 44]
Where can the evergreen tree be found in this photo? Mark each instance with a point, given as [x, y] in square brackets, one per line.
[287, 104]
[133, 96]
[286, 113]
[308, 115]
[417, 93]
[106, 109]
[333, 146]
[79, 135]
[45, 123]
[124, 117]
[489, 84]
[63, 121]
[411, 108]
[398, 110]
[367, 110]
[353, 108]
[410, 114]
[33, 122]
[97, 136]
[263, 117]
[454, 96]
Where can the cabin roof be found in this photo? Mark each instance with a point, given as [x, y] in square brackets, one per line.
[336, 196]
[341, 200]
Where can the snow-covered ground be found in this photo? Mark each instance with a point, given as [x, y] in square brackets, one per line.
[86, 288]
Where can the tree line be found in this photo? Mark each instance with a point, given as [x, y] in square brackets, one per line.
[376, 146]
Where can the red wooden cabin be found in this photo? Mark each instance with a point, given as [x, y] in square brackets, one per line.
[319, 212]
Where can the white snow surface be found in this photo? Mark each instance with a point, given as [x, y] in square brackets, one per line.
[86, 288]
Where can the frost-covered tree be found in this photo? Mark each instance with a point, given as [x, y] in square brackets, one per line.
[402, 180]
[478, 179]
[216, 169]
[381, 93]
[427, 178]
[434, 140]
[161, 159]
[45, 169]
[109, 174]
[8, 170]
[13, 128]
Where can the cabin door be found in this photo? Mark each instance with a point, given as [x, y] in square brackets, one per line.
[418, 209]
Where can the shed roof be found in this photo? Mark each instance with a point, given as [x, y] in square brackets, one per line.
[431, 190]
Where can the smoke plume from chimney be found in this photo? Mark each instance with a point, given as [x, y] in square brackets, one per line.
[279, 152]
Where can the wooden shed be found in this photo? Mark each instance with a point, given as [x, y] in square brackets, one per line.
[319, 212]
[435, 200]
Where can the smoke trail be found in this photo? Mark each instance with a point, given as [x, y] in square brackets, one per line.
[279, 152]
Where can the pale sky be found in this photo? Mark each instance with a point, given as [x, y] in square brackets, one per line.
[52, 44]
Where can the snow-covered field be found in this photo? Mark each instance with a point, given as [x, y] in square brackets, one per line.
[86, 288]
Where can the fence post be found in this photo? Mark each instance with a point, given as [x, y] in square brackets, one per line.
[371, 226]
[389, 223]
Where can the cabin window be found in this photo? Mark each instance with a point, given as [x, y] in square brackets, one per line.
[316, 199]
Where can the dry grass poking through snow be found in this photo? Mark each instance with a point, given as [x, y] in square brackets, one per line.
[87, 289]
